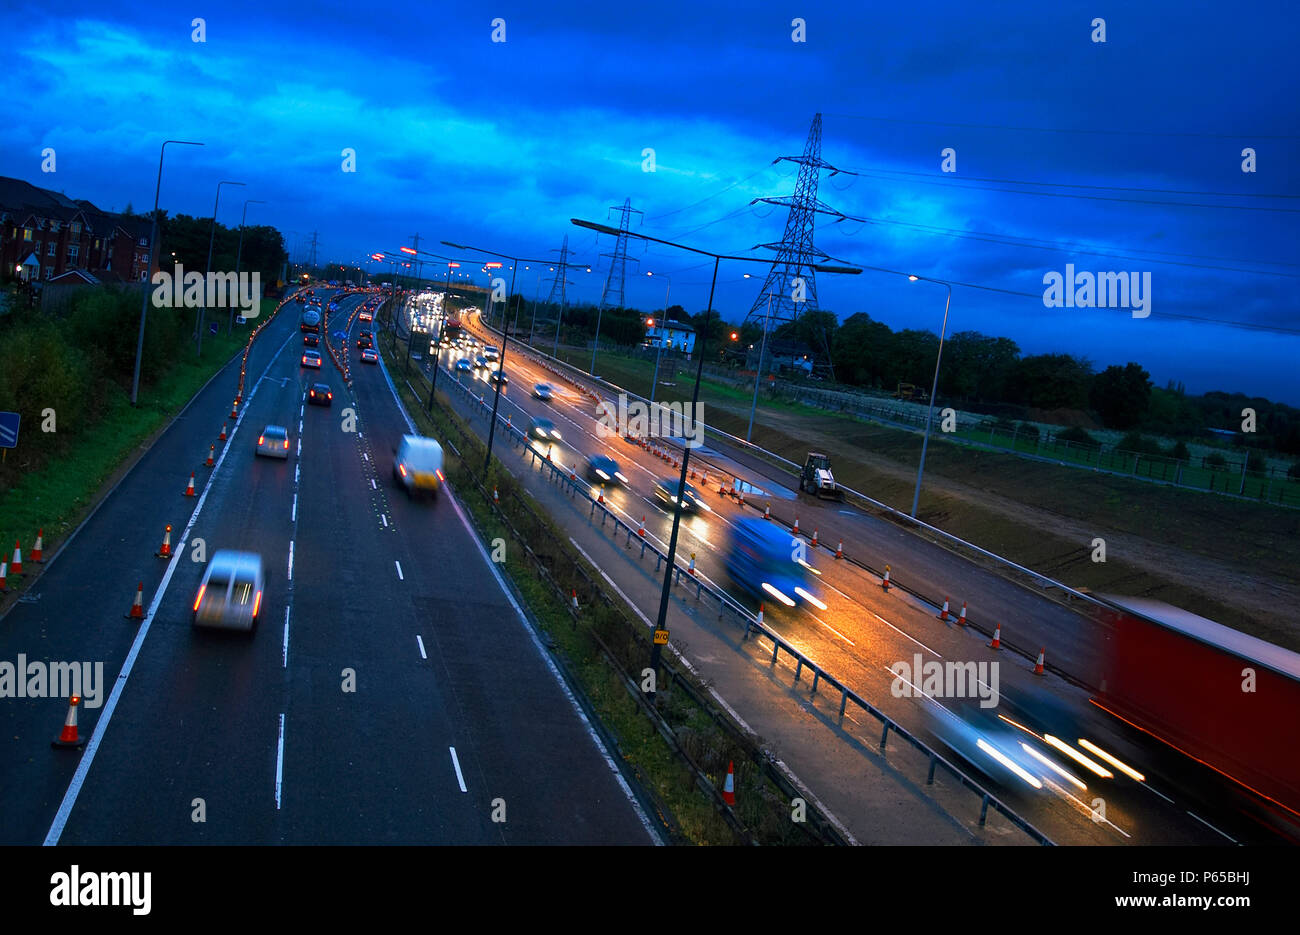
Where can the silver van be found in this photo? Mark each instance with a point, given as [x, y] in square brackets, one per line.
[417, 465]
[231, 592]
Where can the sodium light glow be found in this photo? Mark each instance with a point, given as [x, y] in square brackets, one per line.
[1078, 757]
[1124, 768]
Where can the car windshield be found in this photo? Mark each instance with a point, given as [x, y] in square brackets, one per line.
[273, 431]
[218, 581]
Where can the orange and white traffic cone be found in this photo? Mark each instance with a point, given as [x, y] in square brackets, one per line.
[796, 527]
[495, 498]
[943, 614]
[885, 582]
[961, 621]
[189, 488]
[137, 606]
[4, 576]
[997, 637]
[211, 462]
[839, 549]
[705, 482]
[16, 563]
[690, 570]
[573, 472]
[729, 785]
[641, 529]
[166, 550]
[574, 591]
[814, 539]
[600, 497]
[222, 436]
[767, 511]
[68, 736]
[234, 408]
[37, 549]
[759, 618]
[1038, 667]
[692, 473]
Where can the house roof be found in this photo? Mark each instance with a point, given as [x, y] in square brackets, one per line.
[75, 274]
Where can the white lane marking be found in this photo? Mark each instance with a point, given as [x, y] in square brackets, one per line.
[366, 456]
[296, 468]
[1159, 793]
[421, 642]
[290, 559]
[610, 581]
[299, 452]
[906, 634]
[293, 515]
[1210, 826]
[384, 519]
[101, 725]
[373, 485]
[399, 570]
[279, 763]
[285, 657]
[456, 763]
[300, 426]
[832, 629]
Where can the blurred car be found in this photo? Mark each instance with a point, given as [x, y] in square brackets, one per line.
[1012, 759]
[762, 559]
[311, 340]
[273, 442]
[604, 469]
[667, 490]
[365, 339]
[311, 359]
[320, 395]
[543, 429]
[417, 465]
[497, 377]
[491, 352]
[230, 594]
[464, 366]
[480, 362]
[369, 356]
[365, 316]
[543, 391]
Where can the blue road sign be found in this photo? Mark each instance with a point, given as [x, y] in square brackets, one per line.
[9, 429]
[341, 335]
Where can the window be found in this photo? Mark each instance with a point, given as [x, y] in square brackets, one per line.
[40, 224]
[49, 271]
[54, 227]
[144, 241]
[76, 228]
[53, 248]
[72, 252]
[27, 234]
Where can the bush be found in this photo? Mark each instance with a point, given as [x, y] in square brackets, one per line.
[1139, 443]
[1293, 472]
[1216, 461]
[1179, 452]
[1027, 430]
[1078, 436]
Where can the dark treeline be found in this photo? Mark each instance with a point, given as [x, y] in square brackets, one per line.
[263, 248]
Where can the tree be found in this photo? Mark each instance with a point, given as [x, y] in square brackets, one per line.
[1121, 395]
[977, 367]
[1051, 381]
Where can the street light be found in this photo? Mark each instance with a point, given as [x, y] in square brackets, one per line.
[662, 620]
[758, 370]
[201, 316]
[654, 384]
[929, 414]
[239, 254]
[153, 239]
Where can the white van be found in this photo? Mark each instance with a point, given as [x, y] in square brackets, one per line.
[417, 465]
[230, 594]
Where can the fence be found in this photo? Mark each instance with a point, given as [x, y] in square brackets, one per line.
[728, 608]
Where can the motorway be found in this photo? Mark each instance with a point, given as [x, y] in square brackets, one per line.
[392, 693]
[864, 631]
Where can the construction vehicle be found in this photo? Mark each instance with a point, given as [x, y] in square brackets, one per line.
[911, 391]
[818, 479]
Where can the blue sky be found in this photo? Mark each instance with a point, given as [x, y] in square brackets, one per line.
[499, 144]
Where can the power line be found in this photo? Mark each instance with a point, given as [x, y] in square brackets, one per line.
[710, 197]
[994, 126]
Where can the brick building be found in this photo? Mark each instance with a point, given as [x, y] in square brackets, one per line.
[46, 230]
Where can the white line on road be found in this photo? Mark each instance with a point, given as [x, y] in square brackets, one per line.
[300, 426]
[299, 451]
[293, 515]
[279, 763]
[906, 634]
[1210, 826]
[290, 559]
[384, 519]
[399, 570]
[373, 485]
[366, 456]
[285, 656]
[296, 467]
[421, 642]
[456, 763]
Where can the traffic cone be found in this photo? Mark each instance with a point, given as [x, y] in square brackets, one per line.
[759, 619]
[68, 736]
[692, 473]
[601, 495]
[573, 472]
[814, 539]
[796, 527]
[137, 606]
[575, 598]
[885, 583]
[36, 549]
[961, 621]
[4, 576]
[839, 549]
[212, 450]
[222, 436]
[641, 530]
[729, 785]
[767, 511]
[234, 406]
[189, 488]
[16, 563]
[943, 614]
[705, 481]
[691, 568]
[997, 637]
[1038, 667]
[166, 550]
[495, 498]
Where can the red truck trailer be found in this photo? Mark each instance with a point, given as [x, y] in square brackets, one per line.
[1228, 700]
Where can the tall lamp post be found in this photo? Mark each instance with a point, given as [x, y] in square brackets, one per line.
[758, 375]
[202, 316]
[654, 383]
[153, 247]
[661, 633]
[934, 387]
[239, 255]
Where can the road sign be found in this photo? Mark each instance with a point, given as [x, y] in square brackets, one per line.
[9, 429]
[340, 335]
[661, 637]
[240, 319]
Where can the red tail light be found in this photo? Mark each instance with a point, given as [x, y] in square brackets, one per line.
[286, 443]
[329, 395]
[261, 439]
[257, 603]
[402, 468]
